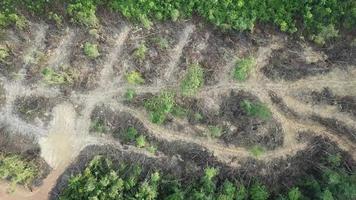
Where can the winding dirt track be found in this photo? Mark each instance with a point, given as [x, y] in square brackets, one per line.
[69, 130]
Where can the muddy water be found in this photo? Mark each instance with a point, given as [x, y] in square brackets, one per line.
[58, 147]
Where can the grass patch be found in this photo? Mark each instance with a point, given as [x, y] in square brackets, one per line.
[256, 109]
[130, 94]
[99, 126]
[160, 106]
[243, 68]
[4, 53]
[91, 50]
[193, 80]
[215, 131]
[17, 170]
[257, 151]
[135, 78]
[67, 76]
[140, 52]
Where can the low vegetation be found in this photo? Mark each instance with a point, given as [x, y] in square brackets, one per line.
[160, 106]
[135, 78]
[193, 80]
[243, 68]
[259, 110]
[140, 52]
[83, 12]
[130, 94]
[17, 170]
[91, 50]
[257, 151]
[66, 76]
[4, 53]
[102, 180]
[310, 17]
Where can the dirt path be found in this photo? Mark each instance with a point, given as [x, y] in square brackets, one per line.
[176, 53]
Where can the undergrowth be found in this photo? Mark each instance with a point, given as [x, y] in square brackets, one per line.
[243, 68]
[160, 106]
[102, 180]
[259, 110]
[193, 80]
[91, 50]
[17, 170]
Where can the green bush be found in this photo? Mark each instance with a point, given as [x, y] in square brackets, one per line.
[91, 50]
[193, 80]
[243, 68]
[257, 151]
[17, 170]
[67, 76]
[135, 78]
[130, 94]
[215, 131]
[4, 53]
[259, 192]
[83, 12]
[140, 52]
[256, 109]
[160, 106]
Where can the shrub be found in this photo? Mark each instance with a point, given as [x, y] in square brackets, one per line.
[130, 94]
[83, 12]
[193, 80]
[98, 181]
[4, 53]
[17, 170]
[160, 106]
[91, 50]
[99, 126]
[259, 192]
[257, 151]
[56, 18]
[243, 68]
[256, 109]
[135, 78]
[140, 52]
[215, 131]
[54, 78]
[130, 135]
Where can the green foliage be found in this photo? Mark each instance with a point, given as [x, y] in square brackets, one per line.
[19, 21]
[130, 135]
[215, 131]
[179, 111]
[160, 106]
[162, 43]
[193, 80]
[257, 151]
[56, 18]
[130, 94]
[98, 181]
[91, 50]
[294, 194]
[243, 68]
[99, 126]
[4, 53]
[68, 76]
[141, 141]
[83, 12]
[140, 52]
[256, 109]
[135, 78]
[326, 33]
[259, 192]
[17, 170]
